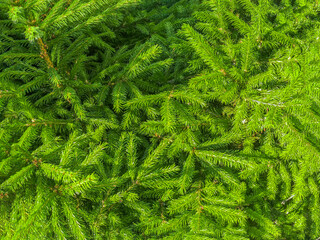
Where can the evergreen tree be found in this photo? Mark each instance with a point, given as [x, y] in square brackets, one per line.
[158, 119]
[74, 163]
[258, 64]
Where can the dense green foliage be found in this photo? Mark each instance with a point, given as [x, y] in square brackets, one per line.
[159, 119]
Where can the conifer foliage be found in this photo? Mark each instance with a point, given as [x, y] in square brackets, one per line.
[175, 119]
